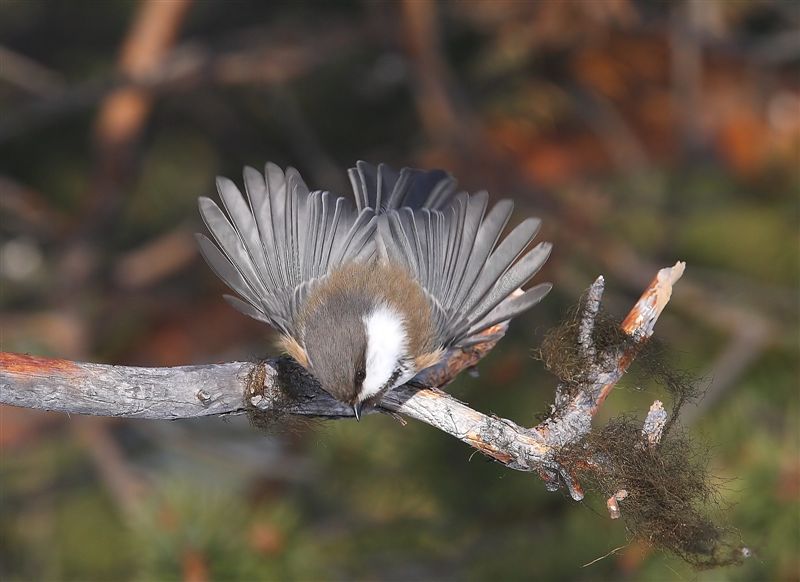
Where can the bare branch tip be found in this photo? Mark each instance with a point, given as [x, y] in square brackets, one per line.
[574, 488]
[670, 275]
[612, 503]
[595, 293]
[590, 310]
[654, 424]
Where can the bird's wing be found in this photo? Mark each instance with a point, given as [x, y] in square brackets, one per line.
[271, 246]
[452, 246]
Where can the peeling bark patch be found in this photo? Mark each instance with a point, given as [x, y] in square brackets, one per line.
[25, 365]
[487, 448]
[495, 441]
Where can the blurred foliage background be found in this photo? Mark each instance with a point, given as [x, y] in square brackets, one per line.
[642, 132]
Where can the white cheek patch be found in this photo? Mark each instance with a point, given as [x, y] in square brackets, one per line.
[386, 347]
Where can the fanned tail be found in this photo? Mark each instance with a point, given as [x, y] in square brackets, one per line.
[272, 245]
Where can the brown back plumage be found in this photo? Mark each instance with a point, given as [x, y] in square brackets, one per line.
[331, 322]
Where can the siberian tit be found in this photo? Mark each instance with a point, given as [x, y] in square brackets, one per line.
[365, 298]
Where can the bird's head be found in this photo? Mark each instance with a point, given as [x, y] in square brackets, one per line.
[357, 350]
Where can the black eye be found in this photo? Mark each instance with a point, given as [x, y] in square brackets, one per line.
[360, 375]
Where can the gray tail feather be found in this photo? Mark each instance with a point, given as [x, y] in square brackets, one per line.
[382, 188]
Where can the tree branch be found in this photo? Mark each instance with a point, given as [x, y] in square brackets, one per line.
[281, 386]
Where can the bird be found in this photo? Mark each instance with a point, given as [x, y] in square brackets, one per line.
[367, 293]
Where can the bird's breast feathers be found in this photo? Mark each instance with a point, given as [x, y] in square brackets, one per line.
[387, 361]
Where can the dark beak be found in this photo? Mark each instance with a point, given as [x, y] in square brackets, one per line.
[357, 407]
